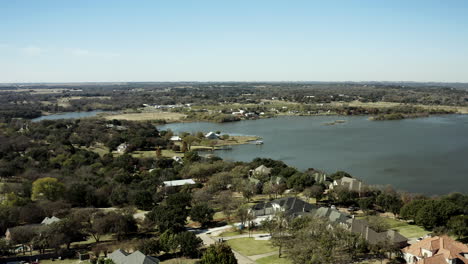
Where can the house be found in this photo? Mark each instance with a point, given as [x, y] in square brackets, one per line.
[176, 138]
[291, 206]
[360, 226]
[50, 220]
[351, 184]
[178, 159]
[320, 177]
[121, 257]
[122, 147]
[278, 180]
[212, 135]
[436, 250]
[373, 237]
[261, 170]
[179, 183]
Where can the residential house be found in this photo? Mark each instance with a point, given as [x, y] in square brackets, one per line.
[436, 250]
[351, 184]
[122, 257]
[212, 135]
[178, 159]
[122, 148]
[179, 183]
[50, 220]
[37, 228]
[261, 170]
[176, 138]
[291, 206]
[360, 226]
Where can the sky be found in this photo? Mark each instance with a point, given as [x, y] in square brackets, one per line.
[251, 40]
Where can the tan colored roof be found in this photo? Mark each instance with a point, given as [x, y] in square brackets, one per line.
[442, 247]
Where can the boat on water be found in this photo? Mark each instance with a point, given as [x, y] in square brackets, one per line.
[258, 142]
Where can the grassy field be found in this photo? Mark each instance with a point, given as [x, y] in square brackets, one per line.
[249, 247]
[273, 260]
[407, 230]
[147, 116]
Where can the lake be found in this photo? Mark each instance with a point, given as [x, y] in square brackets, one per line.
[423, 155]
[70, 115]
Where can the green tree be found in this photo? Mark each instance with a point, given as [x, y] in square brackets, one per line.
[458, 225]
[202, 213]
[49, 188]
[168, 241]
[189, 243]
[316, 191]
[219, 253]
[149, 246]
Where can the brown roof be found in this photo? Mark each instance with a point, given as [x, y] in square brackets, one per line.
[442, 248]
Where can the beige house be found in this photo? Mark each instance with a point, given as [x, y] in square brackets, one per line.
[436, 250]
[351, 184]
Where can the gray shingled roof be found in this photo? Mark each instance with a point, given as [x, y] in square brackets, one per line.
[121, 257]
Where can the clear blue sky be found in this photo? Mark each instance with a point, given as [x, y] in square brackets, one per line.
[252, 40]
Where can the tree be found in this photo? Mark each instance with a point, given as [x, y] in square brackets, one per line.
[189, 243]
[242, 213]
[219, 253]
[23, 234]
[202, 213]
[168, 241]
[49, 188]
[65, 232]
[299, 181]
[366, 204]
[316, 191]
[158, 153]
[458, 225]
[149, 246]
[312, 240]
[390, 202]
[280, 234]
[248, 189]
[226, 203]
[340, 174]
[377, 223]
[168, 218]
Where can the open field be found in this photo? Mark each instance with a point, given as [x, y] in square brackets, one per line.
[147, 116]
[248, 246]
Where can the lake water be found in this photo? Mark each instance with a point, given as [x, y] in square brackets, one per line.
[70, 115]
[424, 155]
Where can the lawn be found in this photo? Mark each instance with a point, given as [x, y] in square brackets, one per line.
[407, 230]
[179, 261]
[249, 247]
[273, 260]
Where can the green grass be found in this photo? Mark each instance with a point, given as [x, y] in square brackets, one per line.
[407, 230]
[249, 247]
[179, 261]
[273, 260]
